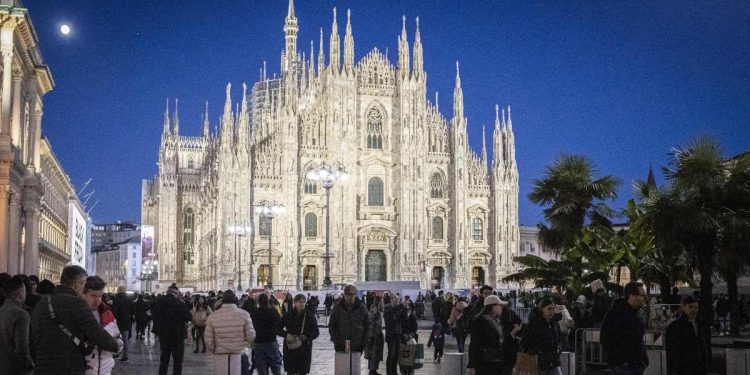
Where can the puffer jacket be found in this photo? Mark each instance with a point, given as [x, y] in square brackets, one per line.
[229, 330]
[53, 351]
[349, 323]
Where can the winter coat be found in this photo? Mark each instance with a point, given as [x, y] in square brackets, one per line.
[53, 351]
[15, 355]
[686, 351]
[394, 317]
[200, 315]
[349, 323]
[376, 341]
[141, 310]
[437, 336]
[298, 360]
[229, 330]
[622, 335]
[510, 318]
[124, 310]
[540, 335]
[101, 362]
[170, 318]
[264, 322]
[485, 335]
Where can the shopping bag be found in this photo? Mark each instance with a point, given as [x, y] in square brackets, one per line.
[527, 364]
[407, 354]
[418, 356]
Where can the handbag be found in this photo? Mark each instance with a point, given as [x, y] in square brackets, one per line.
[295, 341]
[548, 360]
[527, 364]
[407, 355]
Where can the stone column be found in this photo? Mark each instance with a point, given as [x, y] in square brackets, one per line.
[6, 50]
[15, 127]
[4, 223]
[31, 252]
[14, 235]
[28, 142]
[37, 139]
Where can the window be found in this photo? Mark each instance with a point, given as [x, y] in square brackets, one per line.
[310, 187]
[264, 226]
[374, 129]
[437, 185]
[311, 225]
[375, 192]
[188, 223]
[477, 229]
[437, 228]
[190, 163]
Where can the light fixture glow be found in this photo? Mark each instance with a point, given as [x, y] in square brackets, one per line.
[65, 29]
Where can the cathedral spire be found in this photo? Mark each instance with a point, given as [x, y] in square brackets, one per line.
[498, 139]
[176, 119]
[484, 147]
[321, 55]
[651, 180]
[437, 102]
[290, 35]
[348, 43]
[226, 118]
[497, 118]
[418, 62]
[403, 49]
[333, 60]
[205, 121]
[166, 129]
[510, 122]
[243, 118]
[311, 73]
[458, 96]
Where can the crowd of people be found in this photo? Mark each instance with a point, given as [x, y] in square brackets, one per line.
[76, 328]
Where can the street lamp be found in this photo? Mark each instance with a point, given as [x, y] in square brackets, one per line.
[149, 270]
[327, 175]
[238, 229]
[269, 210]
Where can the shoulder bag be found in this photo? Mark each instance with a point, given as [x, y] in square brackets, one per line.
[295, 341]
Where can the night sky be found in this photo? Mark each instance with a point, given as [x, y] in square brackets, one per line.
[622, 83]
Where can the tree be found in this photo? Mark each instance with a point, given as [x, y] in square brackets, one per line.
[573, 198]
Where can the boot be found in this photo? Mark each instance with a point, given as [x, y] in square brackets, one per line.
[197, 345]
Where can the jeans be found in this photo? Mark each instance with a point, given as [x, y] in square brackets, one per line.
[554, 371]
[629, 369]
[174, 348]
[267, 356]
[125, 335]
[391, 362]
[460, 340]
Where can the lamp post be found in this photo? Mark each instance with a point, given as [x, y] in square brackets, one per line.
[148, 270]
[327, 174]
[238, 228]
[269, 210]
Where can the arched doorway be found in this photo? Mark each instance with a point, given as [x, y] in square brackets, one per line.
[310, 278]
[376, 267]
[477, 276]
[262, 276]
[438, 277]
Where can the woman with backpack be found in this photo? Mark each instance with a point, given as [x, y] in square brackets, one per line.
[298, 328]
[200, 313]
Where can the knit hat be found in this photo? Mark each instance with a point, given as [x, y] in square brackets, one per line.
[173, 290]
[494, 300]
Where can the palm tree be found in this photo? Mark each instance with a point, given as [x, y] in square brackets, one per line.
[699, 207]
[573, 198]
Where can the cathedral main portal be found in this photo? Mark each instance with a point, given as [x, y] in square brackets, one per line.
[375, 266]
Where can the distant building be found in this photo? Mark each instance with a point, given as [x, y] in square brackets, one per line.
[529, 244]
[116, 249]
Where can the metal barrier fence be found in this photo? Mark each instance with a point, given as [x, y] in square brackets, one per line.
[590, 355]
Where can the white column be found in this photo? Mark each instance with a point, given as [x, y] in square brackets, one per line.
[6, 49]
[15, 127]
[31, 252]
[37, 138]
[14, 234]
[28, 142]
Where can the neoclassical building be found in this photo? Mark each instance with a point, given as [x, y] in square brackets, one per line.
[420, 204]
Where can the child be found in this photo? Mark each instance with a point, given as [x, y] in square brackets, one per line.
[438, 337]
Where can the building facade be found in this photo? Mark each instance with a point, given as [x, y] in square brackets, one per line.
[116, 251]
[529, 244]
[25, 79]
[420, 204]
[54, 249]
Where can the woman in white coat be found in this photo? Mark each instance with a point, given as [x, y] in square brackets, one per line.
[229, 332]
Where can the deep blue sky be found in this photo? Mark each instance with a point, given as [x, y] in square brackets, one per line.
[622, 83]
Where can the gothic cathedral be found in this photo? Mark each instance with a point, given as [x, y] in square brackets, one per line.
[419, 204]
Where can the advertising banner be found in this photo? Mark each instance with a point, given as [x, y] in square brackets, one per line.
[77, 229]
[147, 240]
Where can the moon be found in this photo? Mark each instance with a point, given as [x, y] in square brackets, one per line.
[65, 29]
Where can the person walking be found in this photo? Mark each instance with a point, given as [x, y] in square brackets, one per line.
[374, 349]
[122, 307]
[100, 362]
[15, 354]
[141, 316]
[349, 332]
[328, 302]
[541, 337]
[59, 351]
[170, 319]
[266, 348]
[298, 328]
[437, 337]
[487, 356]
[622, 332]
[459, 323]
[288, 304]
[200, 313]
[394, 315]
[686, 351]
[229, 332]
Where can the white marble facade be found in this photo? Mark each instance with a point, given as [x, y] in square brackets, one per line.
[420, 204]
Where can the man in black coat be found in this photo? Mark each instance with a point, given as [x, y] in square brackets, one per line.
[622, 332]
[53, 350]
[686, 351]
[170, 318]
[349, 323]
[124, 310]
[394, 316]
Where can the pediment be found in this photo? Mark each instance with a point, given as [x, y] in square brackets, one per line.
[478, 209]
[375, 159]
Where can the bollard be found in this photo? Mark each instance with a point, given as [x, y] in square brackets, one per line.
[738, 361]
[455, 363]
[568, 363]
[657, 362]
